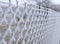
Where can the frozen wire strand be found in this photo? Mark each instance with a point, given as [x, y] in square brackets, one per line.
[17, 2]
[9, 3]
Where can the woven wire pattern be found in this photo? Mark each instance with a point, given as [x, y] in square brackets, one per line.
[26, 25]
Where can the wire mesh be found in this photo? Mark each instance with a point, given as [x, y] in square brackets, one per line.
[26, 25]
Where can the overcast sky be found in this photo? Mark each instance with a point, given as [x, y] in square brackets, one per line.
[55, 1]
[22, 1]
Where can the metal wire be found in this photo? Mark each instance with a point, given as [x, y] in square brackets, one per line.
[26, 25]
[17, 2]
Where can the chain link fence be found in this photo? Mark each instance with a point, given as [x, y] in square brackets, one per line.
[26, 25]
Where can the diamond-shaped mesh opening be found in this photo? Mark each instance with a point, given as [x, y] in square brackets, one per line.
[22, 9]
[3, 27]
[13, 26]
[9, 16]
[20, 41]
[26, 39]
[27, 24]
[21, 24]
[24, 33]
[13, 42]
[14, 9]
[18, 16]
[8, 37]
[25, 16]
[16, 35]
